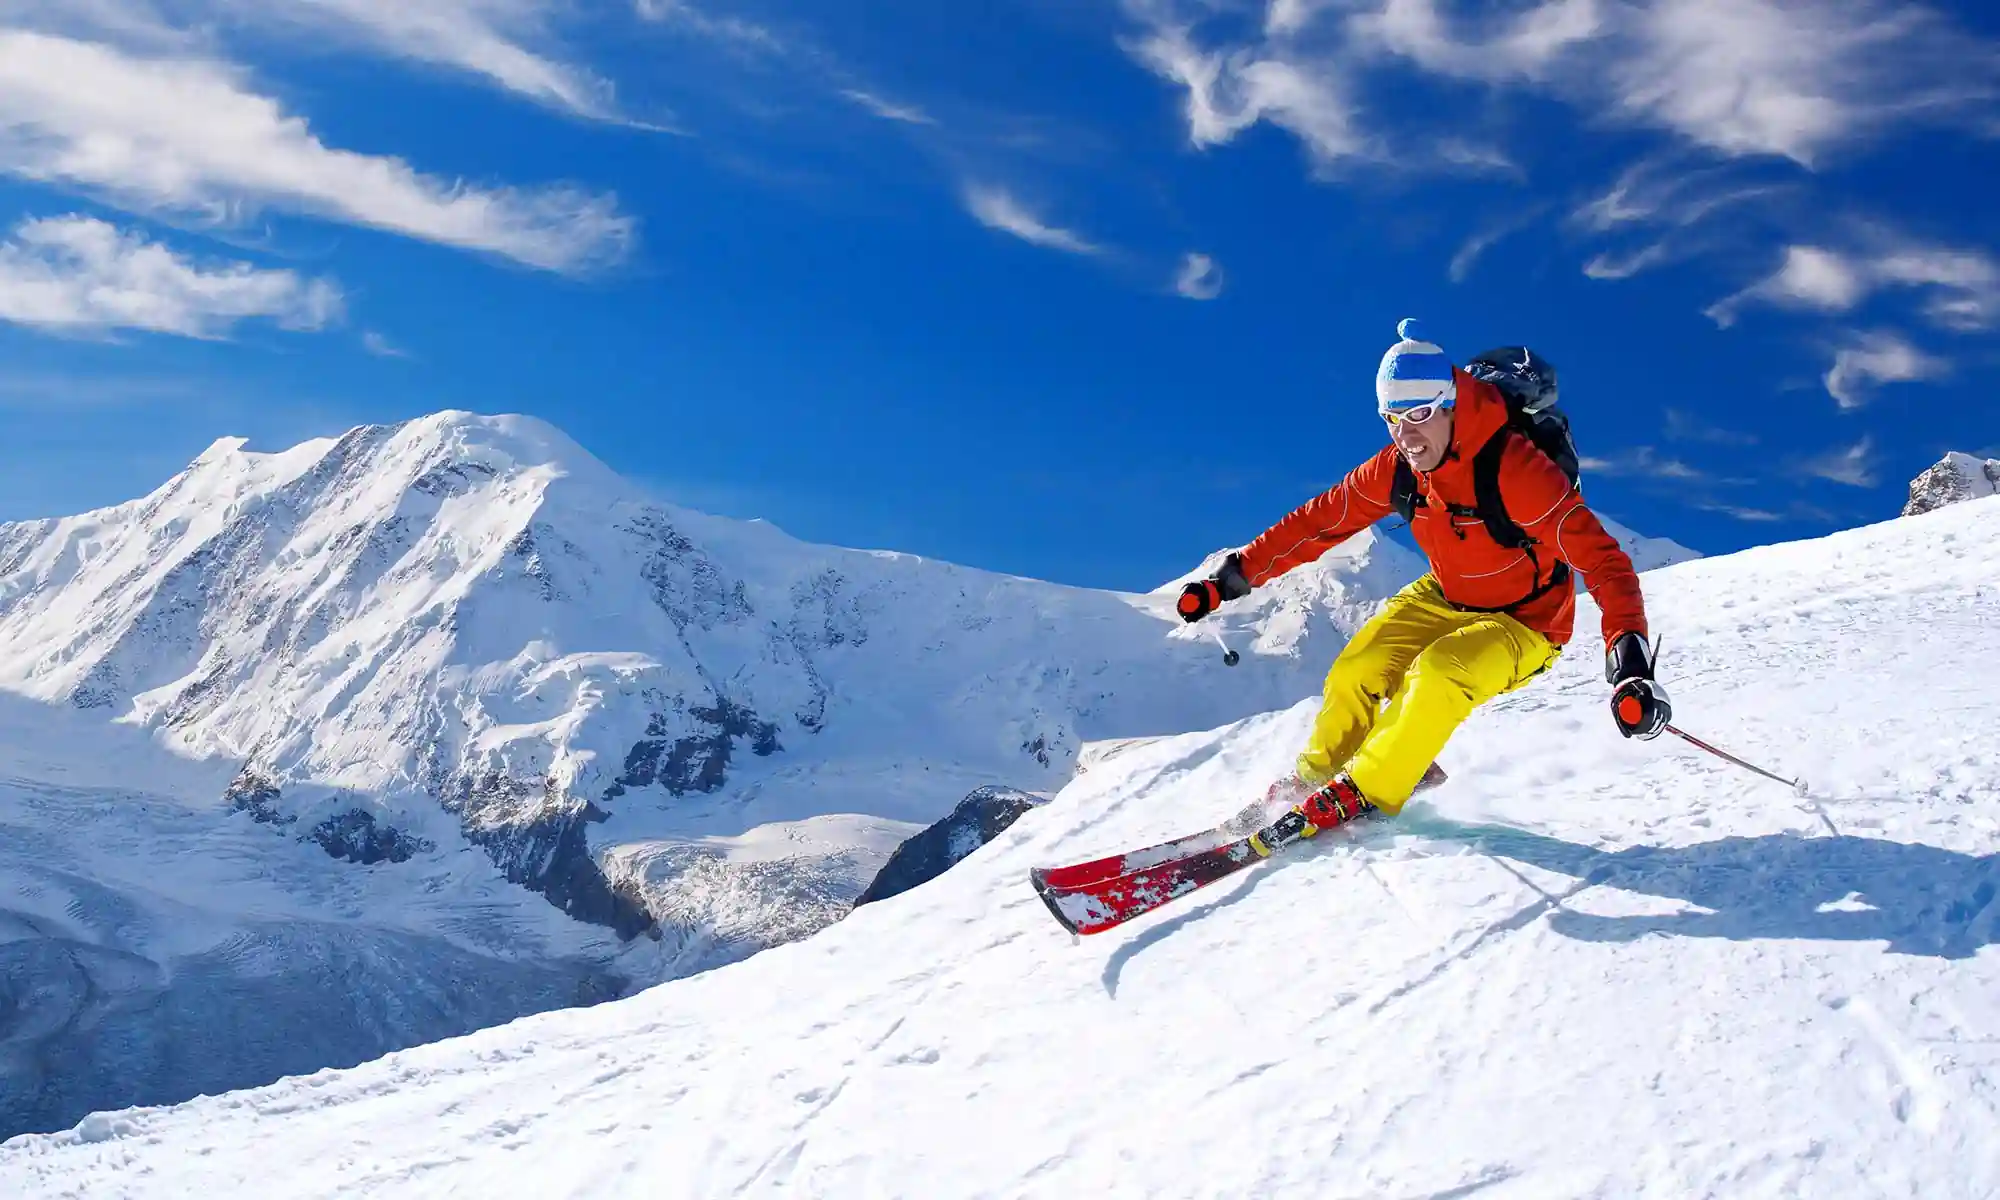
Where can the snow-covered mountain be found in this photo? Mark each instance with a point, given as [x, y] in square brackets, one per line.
[1647, 553]
[1957, 477]
[466, 629]
[346, 697]
[1584, 967]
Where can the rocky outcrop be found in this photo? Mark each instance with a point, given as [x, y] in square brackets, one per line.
[353, 835]
[697, 761]
[978, 819]
[1956, 477]
[538, 837]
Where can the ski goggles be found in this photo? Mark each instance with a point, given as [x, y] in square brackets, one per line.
[1416, 414]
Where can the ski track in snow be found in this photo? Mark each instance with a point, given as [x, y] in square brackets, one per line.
[1586, 967]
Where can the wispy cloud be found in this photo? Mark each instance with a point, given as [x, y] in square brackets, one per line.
[1199, 278]
[1963, 286]
[741, 32]
[380, 346]
[1646, 462]
[1471, 251]
[80, 275]
[1742, 512]
[997, 208]
[1796, 80]
[1874, 358]
[1853, 466]
[187, 136]
[1475, 247]
[908, 114]
[1233, 87]
[508, 43]
[1683, 426]
[1737, 77]
[1668, 208]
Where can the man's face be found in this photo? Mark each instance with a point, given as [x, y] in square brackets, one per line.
[1423, 443]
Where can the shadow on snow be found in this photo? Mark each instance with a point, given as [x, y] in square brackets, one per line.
[1918, 899]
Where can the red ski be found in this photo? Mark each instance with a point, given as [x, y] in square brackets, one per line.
[1095, 905]
[1131, 862]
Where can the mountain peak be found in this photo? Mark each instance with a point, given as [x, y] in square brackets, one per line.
[1956, 477]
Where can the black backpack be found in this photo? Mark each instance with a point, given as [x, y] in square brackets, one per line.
[1527, 382]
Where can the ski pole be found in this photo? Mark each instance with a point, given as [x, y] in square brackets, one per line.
[1797, 785]
[1229, 657]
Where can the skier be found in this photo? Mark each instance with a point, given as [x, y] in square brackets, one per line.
[1486, 619]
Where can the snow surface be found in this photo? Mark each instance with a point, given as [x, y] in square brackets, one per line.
[1584, 967]
[154, 944]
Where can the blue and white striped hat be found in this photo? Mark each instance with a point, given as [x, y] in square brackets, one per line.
[1413, 373]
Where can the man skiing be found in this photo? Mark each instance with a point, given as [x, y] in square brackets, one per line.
[1488, 617]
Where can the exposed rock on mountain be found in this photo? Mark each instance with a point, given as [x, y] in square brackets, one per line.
[1956, 477]
[978, 819]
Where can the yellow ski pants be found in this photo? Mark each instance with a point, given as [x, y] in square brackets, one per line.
[1433, 664]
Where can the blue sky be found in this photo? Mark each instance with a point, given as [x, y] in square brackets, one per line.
[1082, 290]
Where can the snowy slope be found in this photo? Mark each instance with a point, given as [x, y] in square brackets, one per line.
[155, 946]
[1585, 967]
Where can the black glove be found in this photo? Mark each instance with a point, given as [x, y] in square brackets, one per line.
[1204, 596]
[1638, 704]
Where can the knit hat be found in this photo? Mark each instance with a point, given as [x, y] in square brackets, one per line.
[1413, 373]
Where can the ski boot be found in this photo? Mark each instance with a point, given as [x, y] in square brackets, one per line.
[1335, 803]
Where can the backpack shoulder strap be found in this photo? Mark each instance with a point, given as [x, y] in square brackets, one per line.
[1486, 491]
[1502, 528]
[1403, 496]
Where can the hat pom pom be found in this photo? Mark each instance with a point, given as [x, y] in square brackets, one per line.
[1407, 329]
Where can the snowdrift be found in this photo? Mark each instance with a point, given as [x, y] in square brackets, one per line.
[1585, 967]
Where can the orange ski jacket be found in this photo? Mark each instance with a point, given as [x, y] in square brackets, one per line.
[1475, 571]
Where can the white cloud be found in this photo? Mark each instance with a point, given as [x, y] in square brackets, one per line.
[489, 38]
[1625, 266]
[1200, 278]
[908, 114]
[996, 208]
[1854, 466]
[1742, 77]
[1524, 46]
[506, 42]
[1792, 79]
[1230, 90]
[1964, 285]
[1876, 358]
[738, 31]
[380, 346]
[1742, 513]
[1811, 277]
[1646, 462]
[156, 134]
[1475, 247]
[77, 274]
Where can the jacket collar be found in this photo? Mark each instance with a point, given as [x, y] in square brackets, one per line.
[1479, 414]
